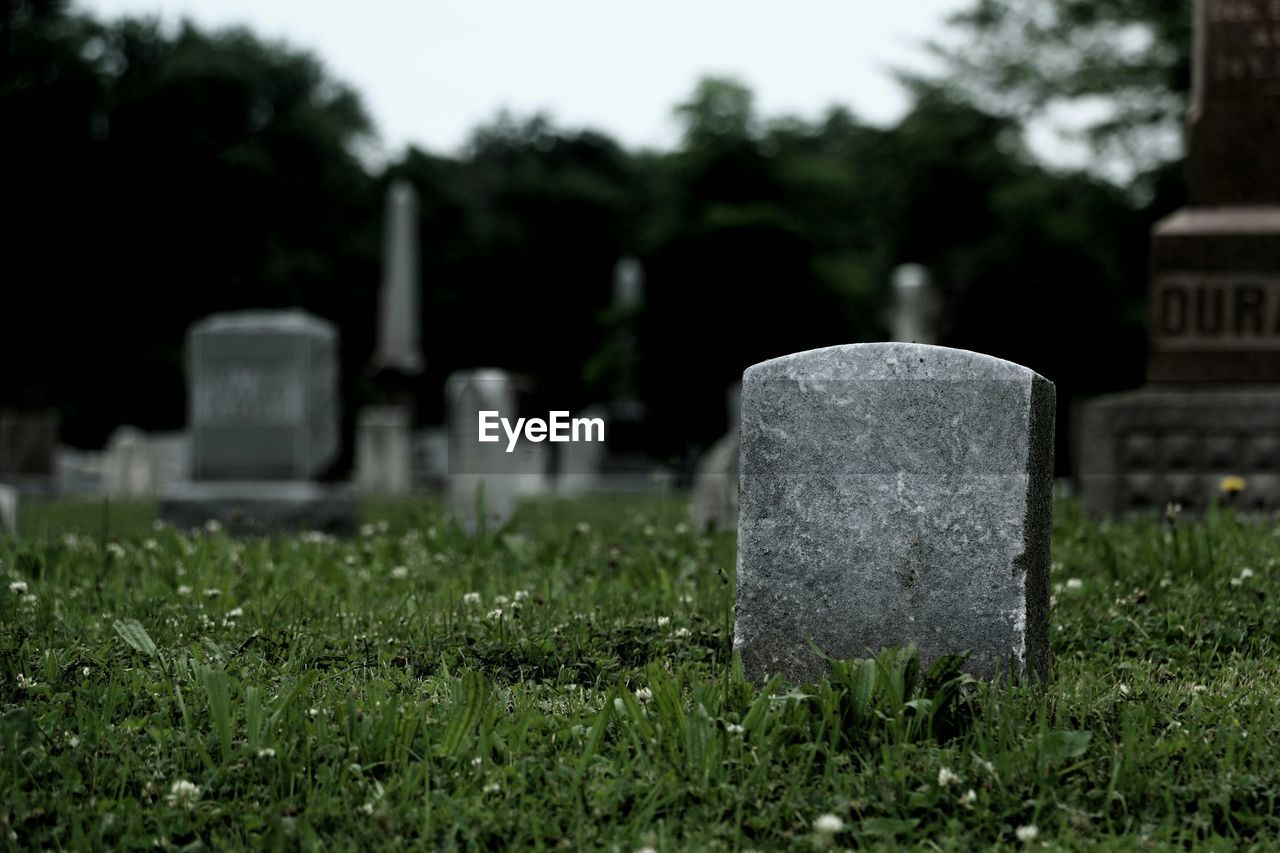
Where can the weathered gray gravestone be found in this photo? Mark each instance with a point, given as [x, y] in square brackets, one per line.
[1212, 403]
[263, 395]
[894, 494]
[714, 504]
[8, 509]
[913, 315]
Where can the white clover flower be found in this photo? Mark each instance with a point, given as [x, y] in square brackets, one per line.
[947, 777]
[18, 587]
[116, 550]
[494, 615]
[266, 752]
[85, 672]
[501, 600]
[367, 530]
[521, 594]
[1075, 583]
[1124, 689]
[183, 589]
[183, 793]
[471, 598]
[212, 593]
[72, 740]
[664, 621]
[682, 528]
[151, 545]
[366, 809]
[313, 712]
[28, 599]
[1245, 574]
[1199, 688]
[1027, 833]
[682, 633]
[733, 728]
[213, 525]
[26, 683]
[235, 613]
[400, 572]
[828, 824]
[644, 694]
[477, 761]
[968, 798]
[492, 788]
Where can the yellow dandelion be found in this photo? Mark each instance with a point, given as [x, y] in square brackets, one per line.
[1232, 485]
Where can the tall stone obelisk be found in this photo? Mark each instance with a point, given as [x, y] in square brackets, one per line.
[384, 433]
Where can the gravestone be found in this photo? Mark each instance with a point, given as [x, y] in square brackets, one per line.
[913, 315]
[384, 432]
[485, 480]
[714, 504]
[28, 448]
[894, 494]
[141, 464]
[384, 450]
[1212, 404]
[8, 510]
[264, 417]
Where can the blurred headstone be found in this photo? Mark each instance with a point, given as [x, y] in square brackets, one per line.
[384, 450]
[28, 447]
[264, 412]
[485, 480]
[913, 315]
[8, 510]
[715, 484]
[1212, 404]
[141, 464]
[398, 341]
[894, 494]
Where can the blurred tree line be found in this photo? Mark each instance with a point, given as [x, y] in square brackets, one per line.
[152, 175]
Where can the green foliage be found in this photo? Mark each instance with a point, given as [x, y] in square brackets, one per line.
[352, 693]
[1024, 57]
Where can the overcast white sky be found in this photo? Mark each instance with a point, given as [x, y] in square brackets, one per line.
[431, 70]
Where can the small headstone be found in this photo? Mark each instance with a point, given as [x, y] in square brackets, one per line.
[715, 483]
[28, 446]
[1211, 407]
[8, 510]
[913, 316]
[263, 396]
[894, 494]
[485, 480]
[384, 450]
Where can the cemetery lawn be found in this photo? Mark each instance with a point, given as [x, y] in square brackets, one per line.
[567, 682]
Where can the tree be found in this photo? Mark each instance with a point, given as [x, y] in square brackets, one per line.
[1132, 58]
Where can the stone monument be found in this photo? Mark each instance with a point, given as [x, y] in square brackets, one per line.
[485, 480]
[894, 494]
[384, 433]
[264, 418]
[8, 510]
[913, 315]
[28, 448]
[714, 503]
[1211, 407]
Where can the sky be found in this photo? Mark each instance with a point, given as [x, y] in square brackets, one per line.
[430, 71]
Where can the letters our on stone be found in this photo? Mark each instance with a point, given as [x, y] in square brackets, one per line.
[894, 494]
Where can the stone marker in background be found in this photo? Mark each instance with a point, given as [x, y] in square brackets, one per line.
[894, 494]
[28, 448]
[714, 504]
[1212, 405]
[485, 481]
[384, 450]
[263, 396]
[384, 457]
[8, 510]
[913, 316]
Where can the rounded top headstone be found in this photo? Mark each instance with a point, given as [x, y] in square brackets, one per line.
[888, 361]
[290, 321]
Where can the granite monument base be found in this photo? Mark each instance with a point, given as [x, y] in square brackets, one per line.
[1142, 450]
[263, 507]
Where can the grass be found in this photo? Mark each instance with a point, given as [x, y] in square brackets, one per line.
[567, 682]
